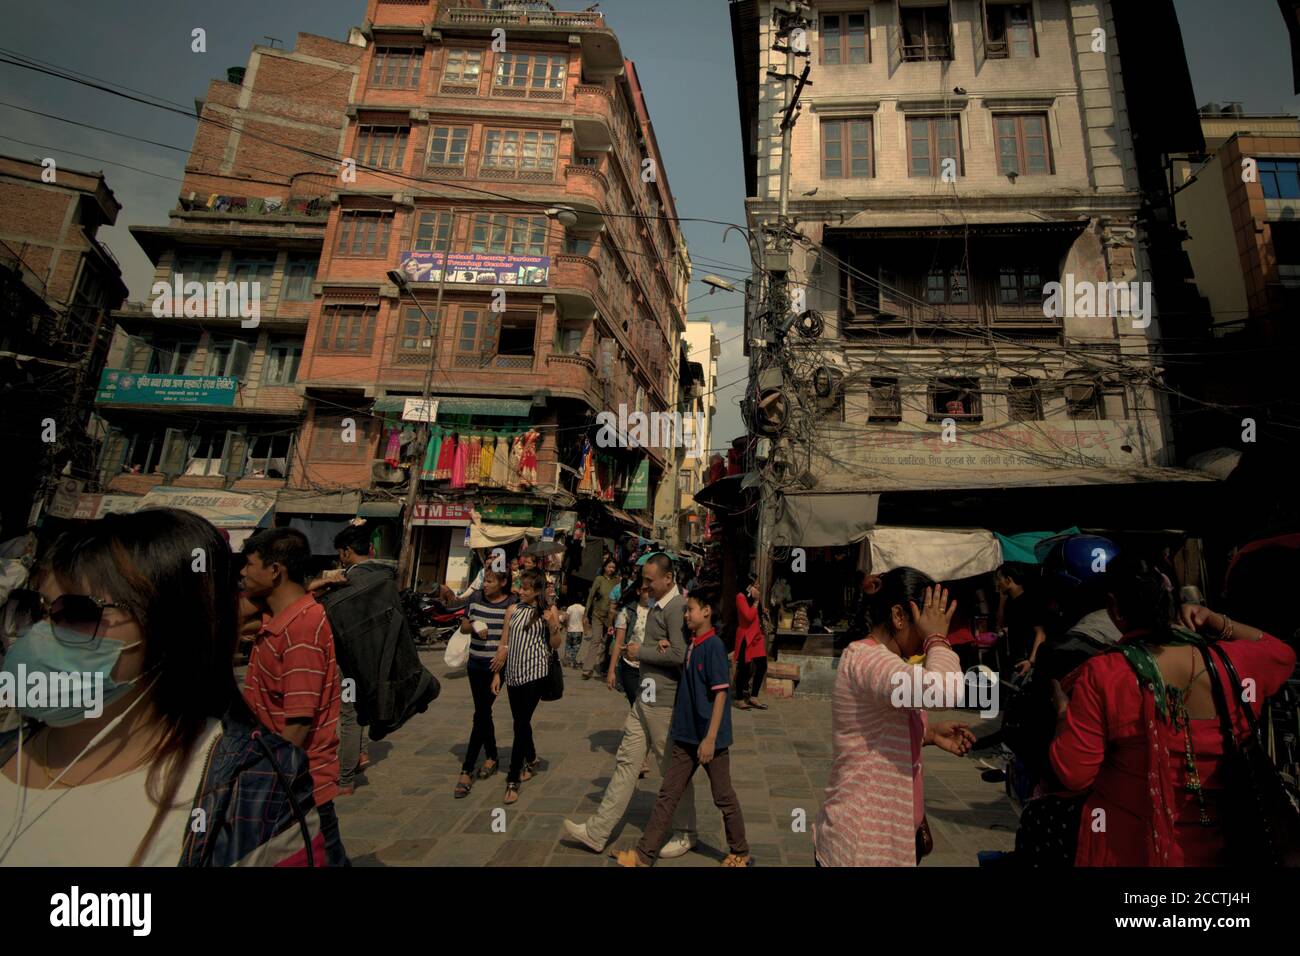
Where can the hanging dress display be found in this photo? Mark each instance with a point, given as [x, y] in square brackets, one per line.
[528, 462]
[431, 454]
[485, 460]
[516, 461]
[393, 454]
[501, 462]
[446, 455]
[472, 455]
[587, 469]
[458, 463]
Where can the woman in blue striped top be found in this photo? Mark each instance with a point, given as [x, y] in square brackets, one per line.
[528, 655]
[484, 621]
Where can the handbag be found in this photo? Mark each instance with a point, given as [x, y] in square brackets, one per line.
[1261, 810]
[924, 839]
[553, 686]
[457, 653]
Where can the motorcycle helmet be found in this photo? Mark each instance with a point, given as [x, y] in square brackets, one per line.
[1079, 559]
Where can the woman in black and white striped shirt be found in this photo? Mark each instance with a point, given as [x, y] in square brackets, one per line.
[528, 654]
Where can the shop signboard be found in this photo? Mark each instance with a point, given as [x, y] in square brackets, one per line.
[476, 268]
[418, 410]
[123, 387]
[638, 492]
[440, 514]
[507, 514]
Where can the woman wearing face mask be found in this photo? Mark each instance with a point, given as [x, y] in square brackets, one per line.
[115, 781]
[874, 811]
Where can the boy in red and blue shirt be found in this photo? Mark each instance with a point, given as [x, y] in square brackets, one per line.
[701, 734]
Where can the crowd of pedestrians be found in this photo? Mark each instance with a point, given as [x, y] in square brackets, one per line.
[1145, 727]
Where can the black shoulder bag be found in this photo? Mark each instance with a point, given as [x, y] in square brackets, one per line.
[553, 686]
[1260, 812]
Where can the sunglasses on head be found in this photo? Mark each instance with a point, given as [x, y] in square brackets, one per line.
[77, 614]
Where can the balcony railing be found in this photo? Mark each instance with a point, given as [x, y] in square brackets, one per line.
[541, 18]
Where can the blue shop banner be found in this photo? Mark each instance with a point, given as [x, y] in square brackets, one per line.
[130, 388]
[477, 268]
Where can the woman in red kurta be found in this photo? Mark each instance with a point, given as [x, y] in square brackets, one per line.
[1149, 749]
[751, 651]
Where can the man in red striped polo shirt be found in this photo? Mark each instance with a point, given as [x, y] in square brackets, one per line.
[292, 685]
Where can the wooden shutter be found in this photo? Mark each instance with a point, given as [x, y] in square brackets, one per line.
[894, 37]
[981, 25]
[175, 450]
[233, 455]
[112, 455]
[237, 365]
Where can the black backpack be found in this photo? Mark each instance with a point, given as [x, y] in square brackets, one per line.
[375, 648]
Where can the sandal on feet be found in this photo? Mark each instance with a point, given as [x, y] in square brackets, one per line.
[463, 787]
[512, 793]
[533, 766]
[757, 704]
[742, 705]
[485, 771]
[742, 861]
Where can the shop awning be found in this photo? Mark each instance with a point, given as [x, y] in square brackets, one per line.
[944, 554]
[498, 535]
[498, 407]
[302, 503]
[824, 520]
[225, 509]
[379, 509]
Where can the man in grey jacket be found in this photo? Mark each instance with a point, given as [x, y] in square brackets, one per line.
[649, 718]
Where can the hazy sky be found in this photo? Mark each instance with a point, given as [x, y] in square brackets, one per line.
[682, 48]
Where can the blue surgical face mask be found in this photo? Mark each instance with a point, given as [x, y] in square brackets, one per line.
[40, 650]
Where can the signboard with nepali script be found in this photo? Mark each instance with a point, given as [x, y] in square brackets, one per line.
[439, 514]
[477, 268]
[124, 387]
[225, 509]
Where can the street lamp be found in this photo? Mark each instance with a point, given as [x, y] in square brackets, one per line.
[566, 216]
[715, 283]
[399, 279]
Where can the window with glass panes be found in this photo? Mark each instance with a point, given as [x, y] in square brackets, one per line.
[844, 38]
[172, 356]
[299, 276]
[846, 149]
[1010, 31]
[282, 362]
[417, 331]
[432, 232]
[254, 268]
[1020, 285]
[197, 268]
[532, 74]
[477, 336]
[886, 402]
[448, 145]
[947, 285]
[383, 147]
[1280, 178]
[462, 68]
[519, 150]
[509, 235]
[931, 140]
[327, 436]
[347, 328]
[1022, 145]
[364, 234]
[926, 33]
[396, 67]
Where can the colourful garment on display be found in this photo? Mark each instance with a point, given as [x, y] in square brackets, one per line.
[528, 463]
[485, 459]
[431, 454]
[516, 461]
[446, 455]
[587, 469]
[393, 454]
[472, 455]
[458, 463]
[501, 462]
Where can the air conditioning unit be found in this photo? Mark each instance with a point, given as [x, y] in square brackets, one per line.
[382, 473]
[1080, 394]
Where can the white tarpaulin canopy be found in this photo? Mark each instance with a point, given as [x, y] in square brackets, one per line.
[498, 535]
[946, 555]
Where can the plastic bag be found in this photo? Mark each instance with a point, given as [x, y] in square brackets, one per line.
[457, 653]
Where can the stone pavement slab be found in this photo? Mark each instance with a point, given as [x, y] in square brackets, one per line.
[403, 812]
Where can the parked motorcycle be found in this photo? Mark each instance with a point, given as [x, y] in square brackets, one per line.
[431, 621]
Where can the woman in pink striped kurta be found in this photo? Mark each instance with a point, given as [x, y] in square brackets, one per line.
[874, 803]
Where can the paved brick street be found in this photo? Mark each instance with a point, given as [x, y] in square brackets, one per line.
[404, 813]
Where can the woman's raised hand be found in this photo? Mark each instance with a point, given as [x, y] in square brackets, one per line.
[935, 614]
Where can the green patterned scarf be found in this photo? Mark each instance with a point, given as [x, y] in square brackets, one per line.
[1137, 651]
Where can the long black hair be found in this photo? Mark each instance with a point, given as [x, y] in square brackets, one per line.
[537, 581]
[147, 562]
[901, 586]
